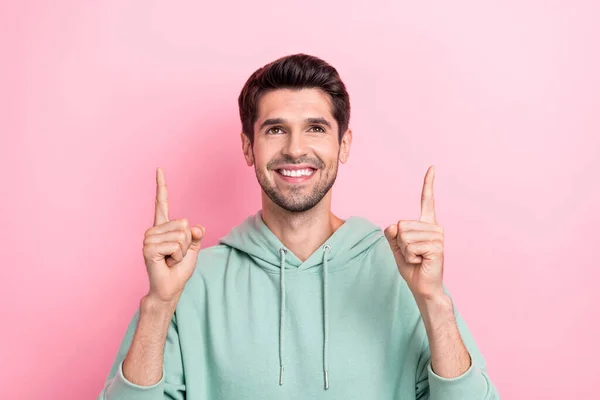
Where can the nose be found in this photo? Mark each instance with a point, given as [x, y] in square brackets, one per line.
[295, 146]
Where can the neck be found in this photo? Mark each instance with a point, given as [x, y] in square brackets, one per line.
[301, 232]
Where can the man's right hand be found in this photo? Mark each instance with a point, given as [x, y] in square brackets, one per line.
[170, 249]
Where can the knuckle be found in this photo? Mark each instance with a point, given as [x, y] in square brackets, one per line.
[184, 245]
[176, 254]
[162, 196]
[184, 223]
[148, 249]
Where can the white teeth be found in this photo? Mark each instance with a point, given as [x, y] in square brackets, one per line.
[297, 172]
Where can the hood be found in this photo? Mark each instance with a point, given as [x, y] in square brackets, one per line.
[254, 238]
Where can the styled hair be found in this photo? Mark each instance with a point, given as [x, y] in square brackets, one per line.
[297, 71]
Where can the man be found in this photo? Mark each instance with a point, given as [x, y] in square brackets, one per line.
[295, 302]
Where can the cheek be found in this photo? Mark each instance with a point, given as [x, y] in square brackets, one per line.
[327, 152]
[262, 157]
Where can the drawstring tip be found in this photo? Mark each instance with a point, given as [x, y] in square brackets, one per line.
[326, 381]
[281, 375]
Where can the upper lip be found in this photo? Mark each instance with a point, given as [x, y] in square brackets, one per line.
[295, 167]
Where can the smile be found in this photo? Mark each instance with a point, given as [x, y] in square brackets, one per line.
[295, 175]
[296, 172]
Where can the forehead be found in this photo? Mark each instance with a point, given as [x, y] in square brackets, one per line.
[295, 104]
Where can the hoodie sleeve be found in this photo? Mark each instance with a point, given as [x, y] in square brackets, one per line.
[171, 386]
[474, 384]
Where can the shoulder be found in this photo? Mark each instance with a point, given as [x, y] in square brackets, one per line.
[379, 254]
[212, 261]
[210, 267]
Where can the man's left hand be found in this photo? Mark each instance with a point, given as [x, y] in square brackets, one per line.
[418, 247]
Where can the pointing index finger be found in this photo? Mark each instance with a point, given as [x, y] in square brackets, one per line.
[427, 202]
[161, 211]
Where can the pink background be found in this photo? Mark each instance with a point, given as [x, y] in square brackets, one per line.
[503, 98]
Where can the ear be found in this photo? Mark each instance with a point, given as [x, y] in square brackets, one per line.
[345, 146]
[247, 149]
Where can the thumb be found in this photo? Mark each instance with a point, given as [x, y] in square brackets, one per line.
[197, 236]
[391, 232]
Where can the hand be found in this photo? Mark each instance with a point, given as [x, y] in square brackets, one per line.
[418, 247]
[170, 249]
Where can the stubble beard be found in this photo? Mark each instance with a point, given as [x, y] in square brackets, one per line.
[296, 201]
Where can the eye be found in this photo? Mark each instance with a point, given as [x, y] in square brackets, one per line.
[274, 130]
[317, 128]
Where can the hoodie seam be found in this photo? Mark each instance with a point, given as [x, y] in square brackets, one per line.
[292, 271]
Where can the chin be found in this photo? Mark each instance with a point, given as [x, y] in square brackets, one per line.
[303, 205]
[299, 208]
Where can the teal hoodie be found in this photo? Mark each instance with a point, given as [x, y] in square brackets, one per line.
[255, 322]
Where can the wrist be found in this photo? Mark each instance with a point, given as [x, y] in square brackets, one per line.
[436, 311]
[434, 300]
[161, 309]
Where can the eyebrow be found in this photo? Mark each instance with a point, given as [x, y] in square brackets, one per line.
[281, 121]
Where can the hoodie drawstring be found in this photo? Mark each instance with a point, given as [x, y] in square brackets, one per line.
[326, 249]
[282, 253]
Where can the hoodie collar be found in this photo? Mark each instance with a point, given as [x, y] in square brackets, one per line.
[254, 238]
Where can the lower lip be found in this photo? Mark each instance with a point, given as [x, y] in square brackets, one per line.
[296, 179]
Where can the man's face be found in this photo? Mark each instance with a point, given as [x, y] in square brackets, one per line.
[296, 147]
